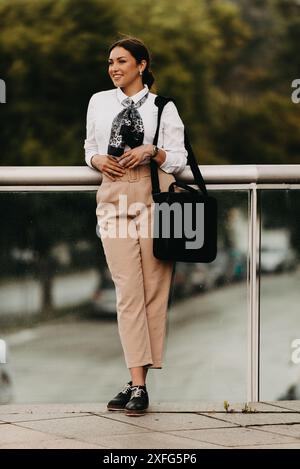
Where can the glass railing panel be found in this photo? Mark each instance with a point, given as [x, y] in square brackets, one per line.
[206, 353]
[280, 295]
[58, 315]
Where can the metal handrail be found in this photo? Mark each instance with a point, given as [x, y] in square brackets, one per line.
[212, 174]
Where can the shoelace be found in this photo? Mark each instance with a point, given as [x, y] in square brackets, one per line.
[126, 389]
[137, 392]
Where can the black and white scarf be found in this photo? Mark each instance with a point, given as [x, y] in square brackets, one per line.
[127, 127]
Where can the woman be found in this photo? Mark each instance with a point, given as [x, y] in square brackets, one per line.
[121, 124]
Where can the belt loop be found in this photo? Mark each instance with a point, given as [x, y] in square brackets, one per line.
[134, 174]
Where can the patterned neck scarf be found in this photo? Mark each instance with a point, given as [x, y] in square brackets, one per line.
[127, 127]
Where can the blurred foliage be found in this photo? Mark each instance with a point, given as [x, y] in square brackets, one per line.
[51, 57]
[229, 65]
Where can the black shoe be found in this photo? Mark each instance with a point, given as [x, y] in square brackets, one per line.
[138, 403]
[120, 400]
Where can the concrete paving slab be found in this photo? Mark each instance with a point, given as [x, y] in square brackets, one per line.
[186, 407]
[176, 407]
[263, 418]
[64, 443]
[98, 408]
[282, 430]
[273, 425]
[52, 408]
[288, 405]
[167, 422]
[256, 407]
[207, 407]
[10, 434]
[28, 417]
[278, 446]
[153, 440]
[90, 429]
[235, 436]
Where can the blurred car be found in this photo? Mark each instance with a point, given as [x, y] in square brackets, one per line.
[237, 269]
[200, 277]
[220, 269]
[277, 254]
[209, 275]
[103, 303]
[6, 381]
[182, 280]
[277, 259]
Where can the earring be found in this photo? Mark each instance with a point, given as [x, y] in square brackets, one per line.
[141, 73]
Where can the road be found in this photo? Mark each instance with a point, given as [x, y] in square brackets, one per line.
[24, 296]
[81, 360]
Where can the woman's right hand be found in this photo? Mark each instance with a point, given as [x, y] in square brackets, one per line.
[108, 166]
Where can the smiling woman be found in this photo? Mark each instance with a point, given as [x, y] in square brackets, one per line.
[123, 66]
[121, 125]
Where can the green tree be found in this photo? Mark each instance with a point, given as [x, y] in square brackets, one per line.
[52, 57]
[188, 44]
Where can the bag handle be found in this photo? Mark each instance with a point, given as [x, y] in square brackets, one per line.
[160, 102]
[183, 185]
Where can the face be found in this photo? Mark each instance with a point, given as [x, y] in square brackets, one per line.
[123, 68]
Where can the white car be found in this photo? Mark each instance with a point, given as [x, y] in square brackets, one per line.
[277, 259]
[6, 380]
[104, 303]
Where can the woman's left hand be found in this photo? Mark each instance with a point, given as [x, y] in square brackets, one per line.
[135, 156]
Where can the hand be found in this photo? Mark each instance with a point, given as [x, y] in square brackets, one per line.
[133, 157]
[108, 166]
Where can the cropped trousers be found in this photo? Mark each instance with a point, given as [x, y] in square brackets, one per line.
[142, 282]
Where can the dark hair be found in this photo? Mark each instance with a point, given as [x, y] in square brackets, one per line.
[140, 52]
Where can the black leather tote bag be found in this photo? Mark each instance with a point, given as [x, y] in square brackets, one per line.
[185, 222]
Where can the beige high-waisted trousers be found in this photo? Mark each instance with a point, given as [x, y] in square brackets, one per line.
[142, 282]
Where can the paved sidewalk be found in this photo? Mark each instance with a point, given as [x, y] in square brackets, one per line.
[185, 425]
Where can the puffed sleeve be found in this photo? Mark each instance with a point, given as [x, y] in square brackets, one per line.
[90, 144]
[173, 140]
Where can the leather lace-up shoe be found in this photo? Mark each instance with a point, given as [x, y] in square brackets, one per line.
[138, 403]
[120, 400]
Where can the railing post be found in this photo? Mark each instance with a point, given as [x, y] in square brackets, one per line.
[253, 285]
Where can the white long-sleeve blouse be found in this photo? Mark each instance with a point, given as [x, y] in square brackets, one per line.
[105, 105]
